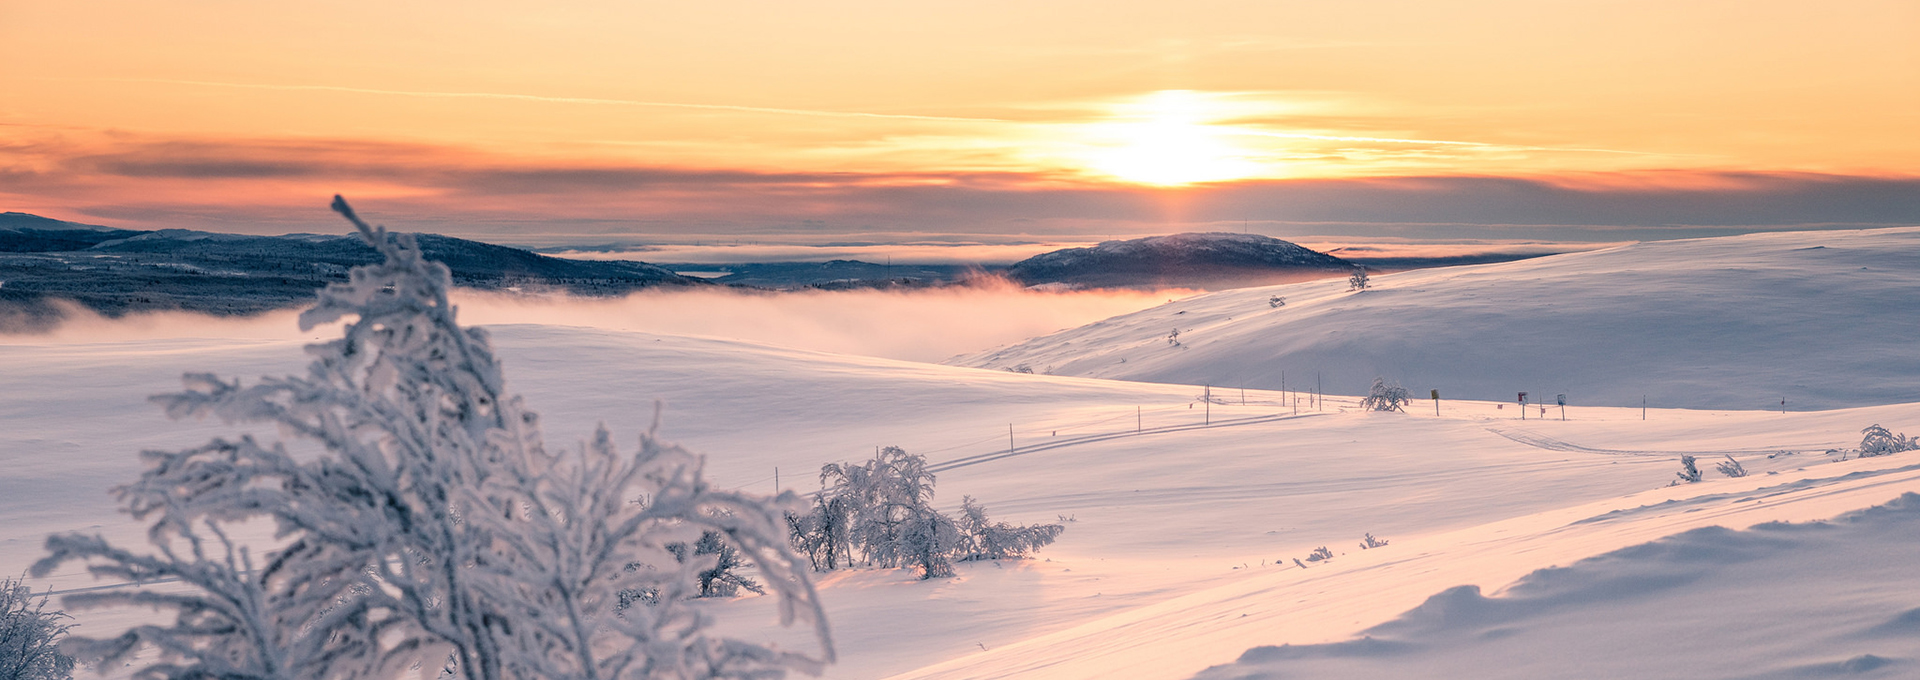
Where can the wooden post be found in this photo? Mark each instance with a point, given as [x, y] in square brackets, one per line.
[1010, 448]
[1139, 421]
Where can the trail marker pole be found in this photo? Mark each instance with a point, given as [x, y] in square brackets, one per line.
[1319, 395]
[1563, 408]
[1643, 407]
[1436, 403]
[1208, 397]
[1783, 406]
[776, 481]
[1010, 448]
[1139, 421]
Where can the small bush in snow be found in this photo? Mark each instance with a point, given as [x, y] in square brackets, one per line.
[436, 525]
[1688, 471]
[1276, 302]
[30, 635]
[981, 539]
[723, 579]
[884, 509]
[1359, 280]
[1880, 442]
[1174, 337]
[1731, 468]
[1319, 554]
[1371, 542]
[1385, 397]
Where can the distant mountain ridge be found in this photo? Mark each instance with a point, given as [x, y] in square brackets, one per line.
[115, 271]
[1205, 259]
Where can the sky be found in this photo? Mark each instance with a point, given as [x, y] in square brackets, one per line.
[975, 123]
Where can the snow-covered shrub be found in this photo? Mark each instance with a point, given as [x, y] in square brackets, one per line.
[1320, 554]
[1276, 302]
[1386, 397]
[723, 578]
[1371, 542]
[983, 539]
[435, 525]
[30, 634]
[889, 501]
[1359, 280]
[1689, 472]
[1731, 468]
[1880, 442]
[884, 508]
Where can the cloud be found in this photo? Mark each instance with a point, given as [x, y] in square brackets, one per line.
[280, 184]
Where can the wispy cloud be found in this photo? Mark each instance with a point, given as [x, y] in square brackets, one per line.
[510, 96]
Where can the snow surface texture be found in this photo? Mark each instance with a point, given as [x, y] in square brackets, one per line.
[1776, 601]
[1178, 553]
[1822, 319]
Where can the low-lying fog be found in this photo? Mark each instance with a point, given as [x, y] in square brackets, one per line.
[916, 325]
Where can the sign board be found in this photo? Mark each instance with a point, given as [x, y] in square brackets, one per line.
[1523, 397]
[1563, 400]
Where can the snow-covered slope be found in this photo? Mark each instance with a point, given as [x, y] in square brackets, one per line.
[1821, 319]
[1184, 517]
[1712, 602]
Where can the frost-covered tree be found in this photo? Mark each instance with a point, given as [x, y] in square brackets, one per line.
[1731, 467]
[1386, 397]
[30, 634]
[1359, 280]
[984, 539]
[1689, 472]
[1878, 441]
[891, 498]
[435, 525]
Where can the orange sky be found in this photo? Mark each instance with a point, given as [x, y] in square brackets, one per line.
[665, 118]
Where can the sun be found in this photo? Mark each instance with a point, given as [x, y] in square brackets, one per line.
[1168, 139]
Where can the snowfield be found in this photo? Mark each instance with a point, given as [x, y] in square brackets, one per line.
[1184, 518]
[1822, 319]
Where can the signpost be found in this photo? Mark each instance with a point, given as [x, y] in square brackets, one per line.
[1436, 402]
[1563, 406]
[1523, 406]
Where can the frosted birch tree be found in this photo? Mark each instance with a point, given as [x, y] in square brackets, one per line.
[436, 530]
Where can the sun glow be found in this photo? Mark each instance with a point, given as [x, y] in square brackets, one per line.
[1169, 138]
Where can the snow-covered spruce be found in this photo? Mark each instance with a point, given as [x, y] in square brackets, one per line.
[884, 508]
[1689, 471]
[436, 526]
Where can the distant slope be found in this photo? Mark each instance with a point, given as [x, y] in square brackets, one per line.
[1822, 319]
[115, 271]
[1207, 260]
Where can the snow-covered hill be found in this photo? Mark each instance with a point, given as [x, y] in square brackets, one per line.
[1822, 319]
[1183, 516]
[1206, 260]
